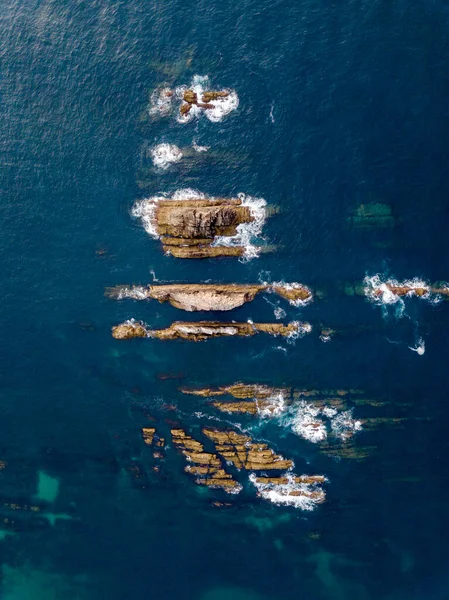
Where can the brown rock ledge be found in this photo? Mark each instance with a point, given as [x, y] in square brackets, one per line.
[203, 330]
[208, 468]
[243, 453]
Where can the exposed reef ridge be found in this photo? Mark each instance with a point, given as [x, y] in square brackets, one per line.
[241, 452]
[207, 467]
[204, 330]
[303, 491]
[390, 291]
[191, 225]
[207, 297]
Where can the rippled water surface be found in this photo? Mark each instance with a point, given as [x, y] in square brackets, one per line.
[339, 105]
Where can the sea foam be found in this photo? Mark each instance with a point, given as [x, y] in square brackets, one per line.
[164, 155]
[302, 495]
[315, 424]
[221, 106]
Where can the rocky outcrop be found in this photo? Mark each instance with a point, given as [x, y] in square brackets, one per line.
[129, 329]
[208, 297]
[190, 98]
[240, 451]
[207, 468]
[148, 435]
[303, 491]
[204, 330]
[237, 390]
[201, 227]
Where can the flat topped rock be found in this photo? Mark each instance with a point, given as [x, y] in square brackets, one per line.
[208, 297]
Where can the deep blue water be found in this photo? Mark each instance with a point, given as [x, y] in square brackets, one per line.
[359, 97]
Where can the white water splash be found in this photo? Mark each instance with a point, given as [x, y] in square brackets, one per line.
[221, 106]
[161, 102]
[246, 232]
[315, 424]
[164, 155]
[420, 347]
[198, 148]
[291, 492]
[273, 406]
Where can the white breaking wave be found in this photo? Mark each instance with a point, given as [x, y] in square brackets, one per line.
[420, 348]
[135, 292]
[378, 290]
[273, 406]
[291, 492]
[198, 148]
[161, 102]
[315, 424]
[246, 232]
[279, 313]
[301, 330]
[294, 286]
[221, 106]
[164, 155]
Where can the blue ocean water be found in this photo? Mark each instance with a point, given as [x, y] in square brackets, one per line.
[341, 104]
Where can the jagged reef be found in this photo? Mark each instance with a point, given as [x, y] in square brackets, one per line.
[204, 330]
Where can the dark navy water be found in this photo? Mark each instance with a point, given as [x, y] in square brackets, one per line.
[340, 104]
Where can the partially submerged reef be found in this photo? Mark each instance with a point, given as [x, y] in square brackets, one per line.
[303, 491]
[390, 291]
[191, 225]
[204, 330]
[238, 451]
[207, 467]
[210, 297]
[310, 414]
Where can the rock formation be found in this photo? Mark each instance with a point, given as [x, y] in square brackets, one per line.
[237, 390]
[201, 227]
[190, 98]
[207, 468]
[240, 451]
[302, 491]
[129, 329]
[207, 297]
[204, 330]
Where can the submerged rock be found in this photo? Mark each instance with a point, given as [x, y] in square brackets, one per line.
[206, 297]
[371, 215]
[204, 330]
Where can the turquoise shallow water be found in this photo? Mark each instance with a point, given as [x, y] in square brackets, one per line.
[340, 105]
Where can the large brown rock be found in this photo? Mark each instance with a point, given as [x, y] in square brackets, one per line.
[205, 297]
[128, 330]
[202, 297]
[190, 97]
[203, 222]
